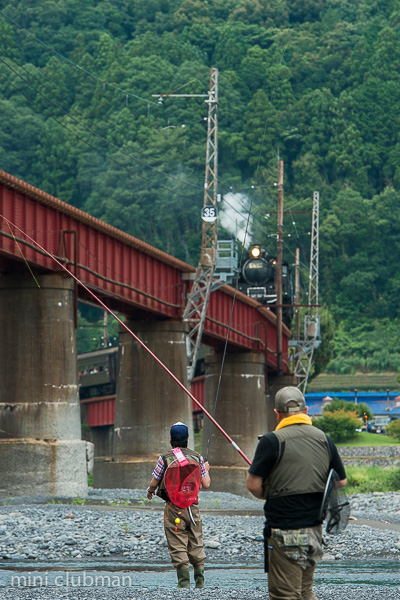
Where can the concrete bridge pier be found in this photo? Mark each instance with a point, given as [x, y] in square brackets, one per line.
[148, 402]
[274, 384]
[241, 411]
[41, 451]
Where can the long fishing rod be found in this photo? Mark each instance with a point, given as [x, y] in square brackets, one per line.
[198, 404]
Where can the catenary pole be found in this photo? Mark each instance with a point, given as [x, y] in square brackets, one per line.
[279, 272]
[297, 293]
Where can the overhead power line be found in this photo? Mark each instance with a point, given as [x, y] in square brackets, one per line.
[258, 213]
[76, 65]
[97, 135]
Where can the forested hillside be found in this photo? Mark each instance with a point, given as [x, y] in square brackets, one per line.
[315, 83]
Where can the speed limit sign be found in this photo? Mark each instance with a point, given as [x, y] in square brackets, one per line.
[209, 213]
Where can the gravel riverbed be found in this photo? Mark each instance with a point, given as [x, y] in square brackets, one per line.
[113, 528]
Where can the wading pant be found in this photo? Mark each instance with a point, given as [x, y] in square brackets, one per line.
[184, 539]
[293, 556]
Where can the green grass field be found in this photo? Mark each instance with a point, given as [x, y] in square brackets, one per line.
[366, 382]
[371, 439]
[361, 439]
[364, 480]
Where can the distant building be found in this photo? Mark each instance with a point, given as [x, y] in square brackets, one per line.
[381, 403]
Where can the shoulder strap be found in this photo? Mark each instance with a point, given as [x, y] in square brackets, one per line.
[180, 457]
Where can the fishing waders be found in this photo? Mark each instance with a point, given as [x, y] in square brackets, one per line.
[199, 577]
[183, 577]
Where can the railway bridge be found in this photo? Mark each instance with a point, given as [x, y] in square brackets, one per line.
[40, 435]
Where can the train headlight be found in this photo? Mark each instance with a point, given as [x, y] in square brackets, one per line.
[255, 251]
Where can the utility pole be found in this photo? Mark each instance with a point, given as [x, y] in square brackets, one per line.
[279, 273]
[297, 294]
[196, 307]
[304, 349]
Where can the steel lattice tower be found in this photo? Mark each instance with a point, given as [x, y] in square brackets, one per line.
[304, 349]
[196, 308]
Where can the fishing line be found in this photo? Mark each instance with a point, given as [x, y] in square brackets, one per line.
[198, 404]
[228, 331]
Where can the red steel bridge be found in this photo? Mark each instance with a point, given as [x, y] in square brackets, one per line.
[128, 275]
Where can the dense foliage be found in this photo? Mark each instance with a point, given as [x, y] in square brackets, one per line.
[315, 83]
[361, 409]
[340, 425]
[95, 330]
[393, 429]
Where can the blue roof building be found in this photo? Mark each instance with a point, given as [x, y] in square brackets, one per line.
[381, 403]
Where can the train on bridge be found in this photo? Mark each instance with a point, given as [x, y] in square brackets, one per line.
[256, 276]
[258, 279]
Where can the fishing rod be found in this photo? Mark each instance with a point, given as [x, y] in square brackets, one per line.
[198, 404]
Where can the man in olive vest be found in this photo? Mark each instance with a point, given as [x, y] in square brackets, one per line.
[290, 471]
[183, 526]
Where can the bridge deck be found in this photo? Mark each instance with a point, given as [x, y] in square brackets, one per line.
[129, 275]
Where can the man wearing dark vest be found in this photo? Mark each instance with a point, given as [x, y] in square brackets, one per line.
[290, 471]
[183, 526]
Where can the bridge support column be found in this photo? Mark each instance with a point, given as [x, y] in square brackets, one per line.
[148, 402]
[275, 383]
[41, 450]
[240, 410]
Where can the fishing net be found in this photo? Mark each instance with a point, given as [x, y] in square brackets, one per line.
[183, 482]
[335, 507]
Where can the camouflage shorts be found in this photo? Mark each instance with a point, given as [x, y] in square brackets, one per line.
[302, 546]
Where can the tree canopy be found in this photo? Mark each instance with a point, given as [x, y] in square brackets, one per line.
[313, 83]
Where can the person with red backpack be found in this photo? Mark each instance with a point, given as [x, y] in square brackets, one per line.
[178, 476]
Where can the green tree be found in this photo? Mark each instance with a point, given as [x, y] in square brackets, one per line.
[340, 425]
[393, 429]
[361, 409]
[325, 350]
[260, 135]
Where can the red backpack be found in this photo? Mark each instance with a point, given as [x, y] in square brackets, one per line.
[182, 480]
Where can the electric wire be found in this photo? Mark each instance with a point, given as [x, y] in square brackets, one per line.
[140, 161]
[90, 145]
[154, 168]
[227, 337]
[97, 135]
[180, 87]
[117, 87]
[111, 85]
[266, 119]
[110, 143]
[104, 82]
[77, 66]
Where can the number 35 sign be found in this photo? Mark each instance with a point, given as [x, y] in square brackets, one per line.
[209, 214]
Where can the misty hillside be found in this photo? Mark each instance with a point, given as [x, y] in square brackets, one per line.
[314, 83]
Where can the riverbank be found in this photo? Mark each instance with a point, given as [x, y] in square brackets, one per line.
[125, 523]
[117, 531]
